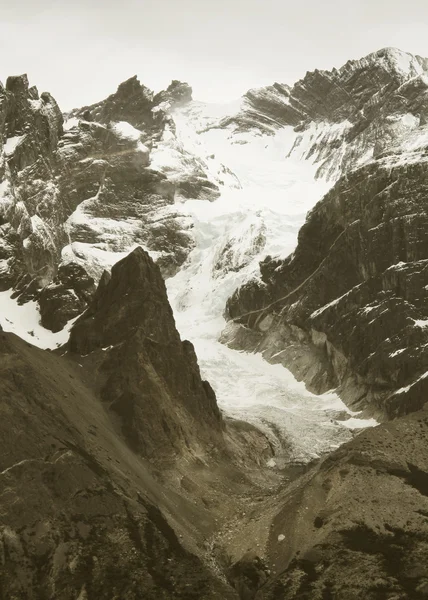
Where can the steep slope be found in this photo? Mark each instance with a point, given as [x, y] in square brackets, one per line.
[117, 468]
[129, 333]
[347, 309]
[345, 116]
[79, 195]
[82, 513]
[354, 526]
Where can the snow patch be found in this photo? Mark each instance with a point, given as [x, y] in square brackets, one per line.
[126, 130]
[405, 389]
[12, 143]
[70, 123]
[24, 321]
[421, 323]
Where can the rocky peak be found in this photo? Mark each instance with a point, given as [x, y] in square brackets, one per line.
[17, 84]
[132, 298]
[147, 375]
[356, 87]
[347, 309]
[176, 94]
[38, 121]
[345, 112]
[132, 102]
[394, 60]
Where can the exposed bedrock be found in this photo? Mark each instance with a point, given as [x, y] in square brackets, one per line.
[83, 193]
[348, 309]
[130, 328]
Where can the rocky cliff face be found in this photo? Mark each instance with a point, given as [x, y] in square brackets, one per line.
[342, 117]
[76, 196]
[347, 309]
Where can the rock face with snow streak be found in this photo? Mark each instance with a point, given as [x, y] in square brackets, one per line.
[348, 309]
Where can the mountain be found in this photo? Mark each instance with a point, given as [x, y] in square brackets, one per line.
[102, 443]
[346, 309]
[79, 196]
[135, 464]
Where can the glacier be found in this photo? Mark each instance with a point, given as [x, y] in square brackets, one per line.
[277, 188]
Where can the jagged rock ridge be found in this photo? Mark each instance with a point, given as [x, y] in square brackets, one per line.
[345, 116]
[84, 193]
[148, 376]
[347, 309]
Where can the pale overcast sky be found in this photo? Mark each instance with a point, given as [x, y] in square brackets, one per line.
[80, 50]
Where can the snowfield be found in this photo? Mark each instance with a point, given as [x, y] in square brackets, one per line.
[263, 216]
[24, 321]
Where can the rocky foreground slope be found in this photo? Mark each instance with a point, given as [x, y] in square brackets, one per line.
[101, 446]
[119, 478]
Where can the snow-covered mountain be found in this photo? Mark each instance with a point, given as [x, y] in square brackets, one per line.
[208, 190]
[120, 474]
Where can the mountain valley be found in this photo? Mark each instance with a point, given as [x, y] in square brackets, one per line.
[212, 335]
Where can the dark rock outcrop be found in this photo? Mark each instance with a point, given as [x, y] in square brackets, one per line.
[132, 103]
[66, 297]
[81, 514]
[348, 308]
[176, 94]
[148, 376]
[355, 526]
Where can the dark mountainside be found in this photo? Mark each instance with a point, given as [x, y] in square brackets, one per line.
[119, 477]
[348, 308]
[101, 447]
